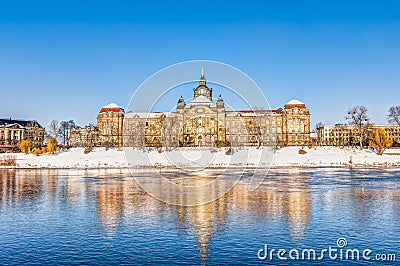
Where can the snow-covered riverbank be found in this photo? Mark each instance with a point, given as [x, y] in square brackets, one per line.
[289, 156]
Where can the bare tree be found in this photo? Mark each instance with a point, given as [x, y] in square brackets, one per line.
[54, 130]
[358, 117]
[134, 133]
[140, 134]
[64, 128]
[63, 131]
[161, 126]
[394, 115]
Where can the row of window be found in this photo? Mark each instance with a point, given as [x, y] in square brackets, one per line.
[346, 134]
[10, 138]
[110, 114]
[108, 132]
[295, 122]
[107, 124]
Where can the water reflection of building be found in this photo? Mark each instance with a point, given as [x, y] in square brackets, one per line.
[203, 221]
[20, 185]
[110, 204]
[281, 196]
[298, 211]
[287, 197]
[367, 207]
[50, 181]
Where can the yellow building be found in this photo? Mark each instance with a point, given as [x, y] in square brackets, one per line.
[205, 122]
[109, 124]
[13, 131]
[82, 137]
[346, 135]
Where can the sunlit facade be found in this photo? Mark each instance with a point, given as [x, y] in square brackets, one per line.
[204, 121]
[12, 132]
[346, 135]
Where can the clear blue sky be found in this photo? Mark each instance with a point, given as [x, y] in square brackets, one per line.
[67, 59]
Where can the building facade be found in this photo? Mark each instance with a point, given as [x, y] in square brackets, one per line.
[109, 125]
[12, 132]
[346, 135]
[203, 121]
[82, 137]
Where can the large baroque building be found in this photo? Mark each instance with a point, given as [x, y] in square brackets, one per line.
[13, 131]
[204, 121]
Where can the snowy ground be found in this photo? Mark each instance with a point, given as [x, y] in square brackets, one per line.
[289, 156]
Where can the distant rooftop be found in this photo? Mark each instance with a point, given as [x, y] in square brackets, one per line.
[295, 102]
[23, 123]
[113, 107]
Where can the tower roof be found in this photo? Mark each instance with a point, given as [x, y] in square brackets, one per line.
[111, 107]
[295, 103]
[202, 88]
[181, 99]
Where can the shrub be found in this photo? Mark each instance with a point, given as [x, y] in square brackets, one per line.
[52, 145]
[37, 151]
[301, 151]
[25, 146]
[380, 140]
[87, 150]
[229, 151]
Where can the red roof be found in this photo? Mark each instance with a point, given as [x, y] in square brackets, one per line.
[279, 111]
[113, 109]
[291, 106]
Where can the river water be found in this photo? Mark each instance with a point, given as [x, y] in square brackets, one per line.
[100, 217]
